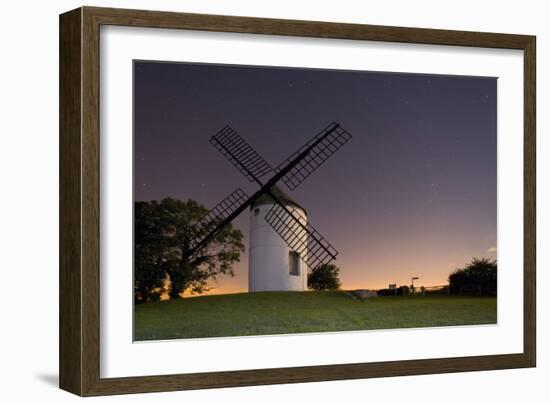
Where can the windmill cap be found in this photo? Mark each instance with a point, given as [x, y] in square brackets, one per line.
[278, 193]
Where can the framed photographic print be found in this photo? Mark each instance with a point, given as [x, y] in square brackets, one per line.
[267, 201]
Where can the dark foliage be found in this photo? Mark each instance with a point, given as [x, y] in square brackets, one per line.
[324, 277]
[477, 278]
[163, 232]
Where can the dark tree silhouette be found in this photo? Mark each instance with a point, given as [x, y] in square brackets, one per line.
[478, 277]
[324, 277]
[163, 232]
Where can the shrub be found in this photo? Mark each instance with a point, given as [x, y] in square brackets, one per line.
[324, 277]
[478, 278]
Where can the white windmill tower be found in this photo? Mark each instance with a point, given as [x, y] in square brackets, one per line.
[272, 264]
[283, 244]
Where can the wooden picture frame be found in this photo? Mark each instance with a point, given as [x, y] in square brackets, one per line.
[79, 201]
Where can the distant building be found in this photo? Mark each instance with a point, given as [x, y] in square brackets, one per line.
[273, 266]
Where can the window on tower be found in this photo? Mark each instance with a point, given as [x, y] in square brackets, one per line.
[293, 263]
[256, 211]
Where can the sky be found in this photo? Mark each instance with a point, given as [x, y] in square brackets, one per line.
[413, 193]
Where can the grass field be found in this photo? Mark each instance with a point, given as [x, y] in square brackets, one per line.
[302, 312]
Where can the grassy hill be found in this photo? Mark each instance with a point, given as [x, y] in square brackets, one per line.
[302, 312]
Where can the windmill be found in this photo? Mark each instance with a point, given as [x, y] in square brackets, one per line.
[287, 220]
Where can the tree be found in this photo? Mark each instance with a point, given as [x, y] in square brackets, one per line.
[163, 234]
[324, 277]
[478, 277]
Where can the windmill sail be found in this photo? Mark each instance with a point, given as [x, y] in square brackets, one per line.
[240, 154]
[322, 146]
[301, 237]
[219, 216]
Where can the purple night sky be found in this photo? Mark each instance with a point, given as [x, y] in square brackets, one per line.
[412, 194]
